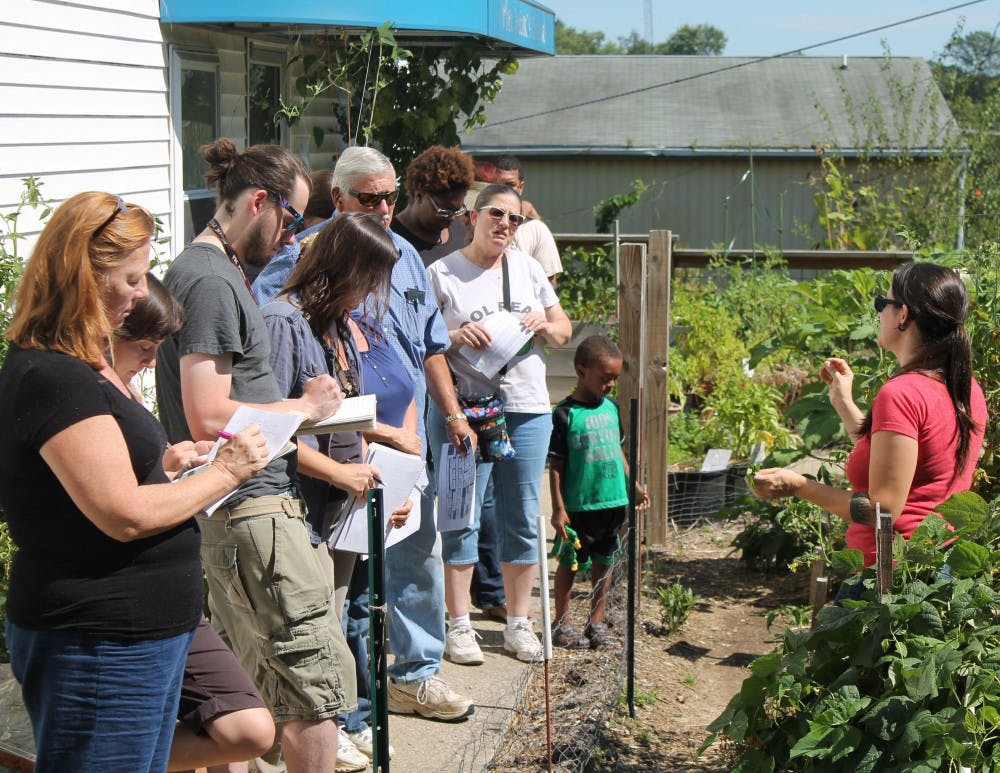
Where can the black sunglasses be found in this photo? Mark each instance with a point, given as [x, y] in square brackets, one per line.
[297, 217]
[371, 200]
[120, 209]
[498, 214]
[450, 213]
[881, 302]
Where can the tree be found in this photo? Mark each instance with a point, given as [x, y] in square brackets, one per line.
[694, 40]
[570, 40]
[691, 40]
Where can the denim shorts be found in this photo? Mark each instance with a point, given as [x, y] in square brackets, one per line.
[97, 703]
[270, 599]
[516, 490]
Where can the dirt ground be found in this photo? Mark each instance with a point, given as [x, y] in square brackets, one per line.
[685, 680]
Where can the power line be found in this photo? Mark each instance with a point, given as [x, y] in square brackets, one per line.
[687, 78]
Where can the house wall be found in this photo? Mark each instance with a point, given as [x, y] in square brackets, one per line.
[773, 206]
[83, 102]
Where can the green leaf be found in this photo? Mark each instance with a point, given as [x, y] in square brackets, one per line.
[967, 559]
[962, 509]
[318, 135]
[847, 562]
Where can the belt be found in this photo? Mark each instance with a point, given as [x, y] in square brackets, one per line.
[269, 504]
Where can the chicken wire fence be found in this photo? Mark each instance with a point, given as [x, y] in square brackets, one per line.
[585, 686]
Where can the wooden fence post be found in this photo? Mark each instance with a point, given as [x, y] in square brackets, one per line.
[656, 393]
[631, 333]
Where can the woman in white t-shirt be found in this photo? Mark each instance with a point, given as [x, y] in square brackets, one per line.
[469, 285]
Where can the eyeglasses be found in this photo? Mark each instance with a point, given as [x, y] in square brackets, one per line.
[499, 214]
[371, 200]
[450, 213]
[297, 217]
[120, 209]
[881, 302]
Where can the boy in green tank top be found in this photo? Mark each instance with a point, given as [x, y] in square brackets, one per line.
[588, 478]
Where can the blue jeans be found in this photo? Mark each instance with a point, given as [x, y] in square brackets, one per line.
[414, 590]
[356, 626]
[516, 491]
[96, 703]
[487, 577]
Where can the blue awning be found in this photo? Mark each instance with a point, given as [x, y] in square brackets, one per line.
[518, 24]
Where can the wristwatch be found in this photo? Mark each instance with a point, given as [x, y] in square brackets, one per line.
[454, 417]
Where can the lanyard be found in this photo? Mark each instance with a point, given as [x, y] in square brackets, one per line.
[231, 254]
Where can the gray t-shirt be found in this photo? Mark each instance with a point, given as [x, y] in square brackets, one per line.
[220, 317]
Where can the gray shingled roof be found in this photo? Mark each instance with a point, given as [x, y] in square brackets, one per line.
[709, 104]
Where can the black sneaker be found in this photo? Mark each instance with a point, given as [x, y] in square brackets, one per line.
[568, 636]
[597, 634]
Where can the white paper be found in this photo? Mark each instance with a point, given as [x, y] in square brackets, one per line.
[277, 429]
[355, 413]
[716, 459]
[456, 500]
[508, 336]
[401, 477]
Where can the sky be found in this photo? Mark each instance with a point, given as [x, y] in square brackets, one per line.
[768, 27]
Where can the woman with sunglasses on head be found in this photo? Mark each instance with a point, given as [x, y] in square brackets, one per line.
[919, 442]
[105, 588]
[470, 284]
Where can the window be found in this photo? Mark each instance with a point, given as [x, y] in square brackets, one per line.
[263, 95]
[196, 123]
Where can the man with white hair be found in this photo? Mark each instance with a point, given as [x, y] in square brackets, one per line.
[364, 180]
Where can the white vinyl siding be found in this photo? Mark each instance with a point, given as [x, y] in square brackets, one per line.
[83, 103]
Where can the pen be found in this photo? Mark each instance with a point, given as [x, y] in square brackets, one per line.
[224, 435]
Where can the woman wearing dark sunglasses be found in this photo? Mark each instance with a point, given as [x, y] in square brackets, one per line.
[469, 285]
[919, 442]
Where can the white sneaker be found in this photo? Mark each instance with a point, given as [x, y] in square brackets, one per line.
[363, 741]
[460, 646]
[349, 759]
[521, 640]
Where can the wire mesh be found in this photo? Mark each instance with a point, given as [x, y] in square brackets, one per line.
[585, 687]
[693, 495]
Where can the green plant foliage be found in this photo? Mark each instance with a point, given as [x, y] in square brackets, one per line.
[400, 100]
[676, 603]
[588, 289]
[607, 211]
[907, 684]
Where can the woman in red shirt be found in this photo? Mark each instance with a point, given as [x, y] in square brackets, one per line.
[919, 443]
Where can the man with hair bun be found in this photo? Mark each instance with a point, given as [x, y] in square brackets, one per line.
[436, 183]
[267, 592]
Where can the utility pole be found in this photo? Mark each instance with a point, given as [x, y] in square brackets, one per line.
[647, 20]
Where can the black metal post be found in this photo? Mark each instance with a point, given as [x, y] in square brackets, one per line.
[633, 541]
[378, 686]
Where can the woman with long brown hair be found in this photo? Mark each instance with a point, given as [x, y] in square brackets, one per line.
[105, 588]
[919, 442]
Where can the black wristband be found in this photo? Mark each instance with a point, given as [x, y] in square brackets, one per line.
[861, 509]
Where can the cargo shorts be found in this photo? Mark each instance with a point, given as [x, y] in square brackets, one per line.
[270, 598]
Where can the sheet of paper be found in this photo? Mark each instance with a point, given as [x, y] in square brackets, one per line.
[355, 413]
[508, 335]
[401, 476]
[456, 500]
[277, 429]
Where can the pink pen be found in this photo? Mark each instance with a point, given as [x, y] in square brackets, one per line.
[224, 435]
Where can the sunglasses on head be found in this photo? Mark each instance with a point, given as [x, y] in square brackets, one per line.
[881, 302]
[451, 213]
[371, 200]
[120, 209]
[498, 214]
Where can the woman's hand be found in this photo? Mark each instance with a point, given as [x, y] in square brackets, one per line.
[184, 455]
[355, 479]
[399, 517]
[471, 334]
[244, 455]
[777, 482]
[837, 375]
[536, 323]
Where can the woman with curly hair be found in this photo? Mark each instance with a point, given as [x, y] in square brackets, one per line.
[436, 183]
